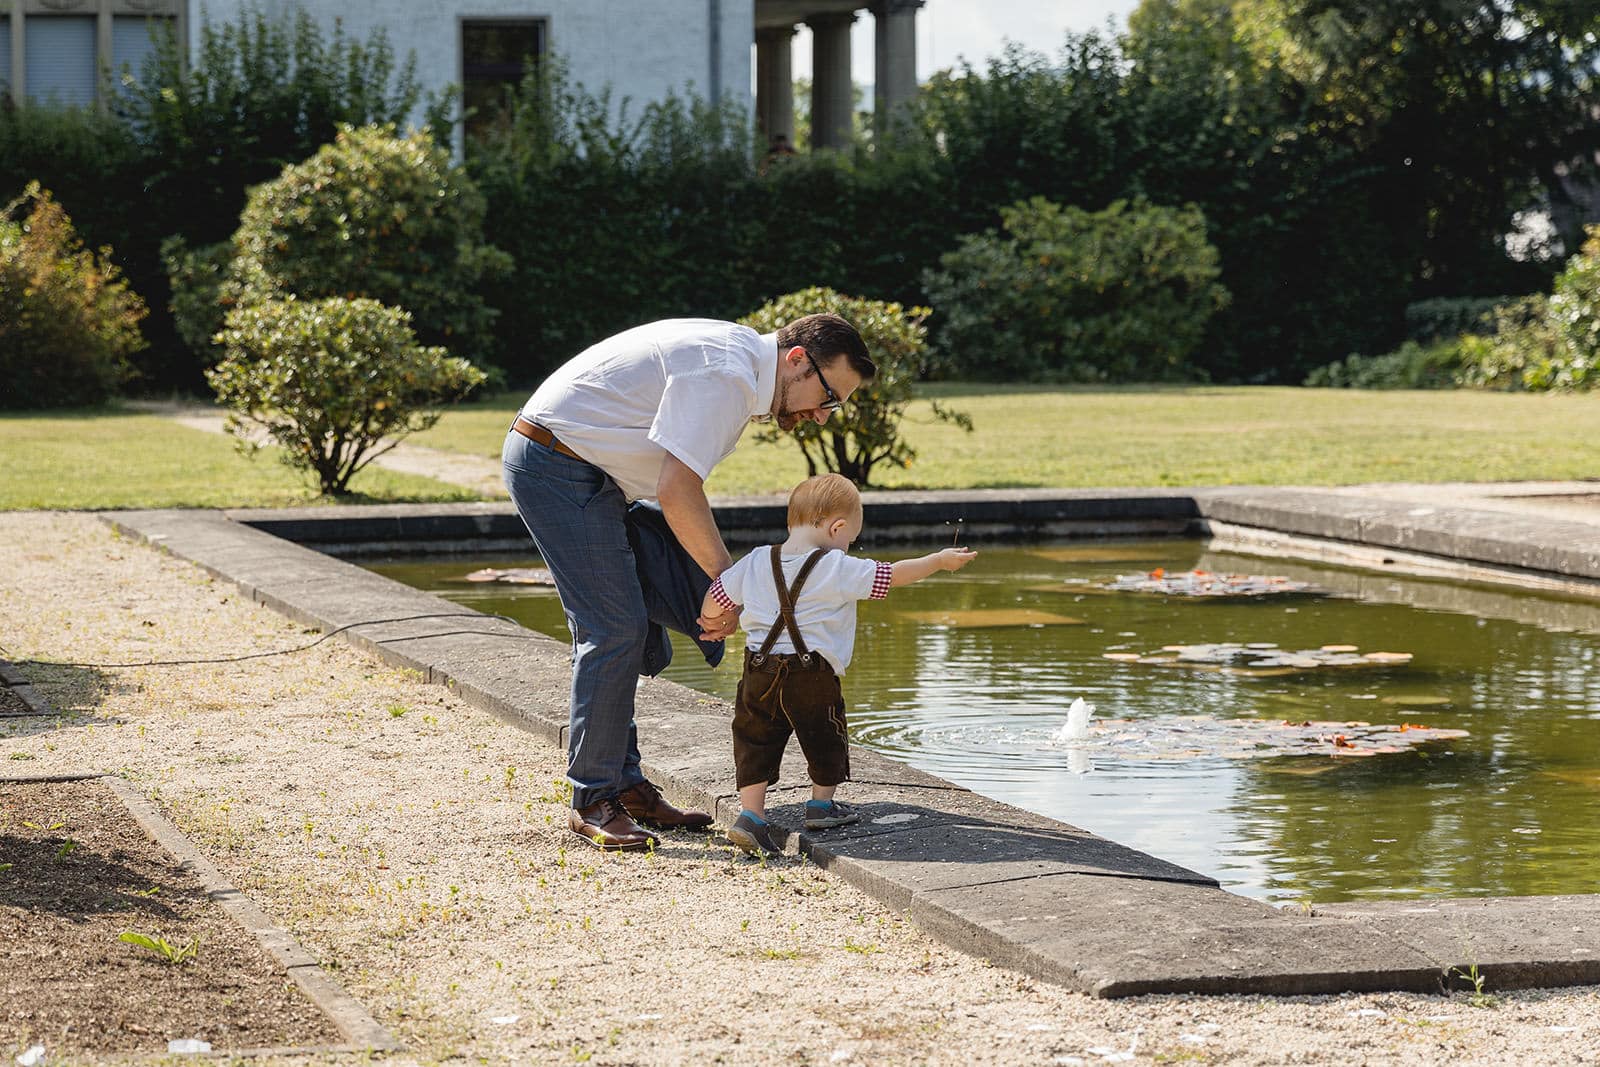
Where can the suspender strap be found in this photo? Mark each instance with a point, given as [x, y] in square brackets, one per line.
[787, 595]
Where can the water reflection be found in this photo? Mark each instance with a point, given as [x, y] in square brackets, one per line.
[1511, 809]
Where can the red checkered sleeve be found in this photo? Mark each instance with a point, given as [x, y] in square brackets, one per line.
[881, 580]
[721, 596]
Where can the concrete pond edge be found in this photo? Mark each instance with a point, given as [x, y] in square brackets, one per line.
[1021, 890]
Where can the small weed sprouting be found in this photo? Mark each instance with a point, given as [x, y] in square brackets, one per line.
[866, 950]
[781, 953]
[397, 711]
[162, 947]
[511, 778]
[1478, 998]
[66, 847]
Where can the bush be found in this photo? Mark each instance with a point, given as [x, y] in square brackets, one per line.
[1429, 320]
[1545, 343]
[1070, 295]
[196, 276]
[378, 216]
[330, 379]
[1411, 366]
[68, 321]
[867, 431]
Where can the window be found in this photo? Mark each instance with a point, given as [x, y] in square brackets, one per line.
[50, 59]
[496, 54]
[59, 53]
[133, 42]
[5, 56]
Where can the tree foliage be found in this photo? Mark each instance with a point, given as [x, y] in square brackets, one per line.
[1070, 295]
[373, 215]
[68, 320]
[866, 432]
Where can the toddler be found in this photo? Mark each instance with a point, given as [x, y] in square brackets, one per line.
[799, 600]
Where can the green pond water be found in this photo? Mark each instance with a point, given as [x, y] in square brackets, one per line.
[1513, 808]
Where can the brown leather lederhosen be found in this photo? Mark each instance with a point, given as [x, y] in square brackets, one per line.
[789, 692]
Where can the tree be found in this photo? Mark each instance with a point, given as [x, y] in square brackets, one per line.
[867, 431]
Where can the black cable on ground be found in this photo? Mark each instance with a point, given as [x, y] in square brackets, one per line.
[524, 635]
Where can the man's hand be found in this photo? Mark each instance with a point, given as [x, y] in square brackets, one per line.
[719, 627]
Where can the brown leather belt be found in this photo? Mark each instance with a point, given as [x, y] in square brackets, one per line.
[534, 432]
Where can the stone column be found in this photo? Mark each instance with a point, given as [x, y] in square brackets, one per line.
[775, 83]
[832, 92]
[895, 76]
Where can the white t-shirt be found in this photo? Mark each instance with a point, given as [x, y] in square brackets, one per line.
[684, 386]
[826, 609]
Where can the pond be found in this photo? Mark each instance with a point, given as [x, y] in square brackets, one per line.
[944, 682]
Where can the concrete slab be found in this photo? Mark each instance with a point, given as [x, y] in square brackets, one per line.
[1116, 937]
[1513, 942]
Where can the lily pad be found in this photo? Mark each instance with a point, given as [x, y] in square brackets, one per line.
[513, 576]
[984, 618]
[1183, 737]
[1260, 660]
[1198, 583]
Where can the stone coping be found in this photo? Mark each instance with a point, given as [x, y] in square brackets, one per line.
[1022, 890]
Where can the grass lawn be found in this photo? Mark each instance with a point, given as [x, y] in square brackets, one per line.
[1028, 436]
[106, 458]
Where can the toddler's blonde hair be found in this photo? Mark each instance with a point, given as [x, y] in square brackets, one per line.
[822, 497]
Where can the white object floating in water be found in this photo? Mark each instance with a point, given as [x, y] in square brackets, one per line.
[1078, 761]
[1077, 727]
[34, 1054]
[900, 816]
[188, 1044]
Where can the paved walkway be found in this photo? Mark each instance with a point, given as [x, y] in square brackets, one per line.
[478, 473]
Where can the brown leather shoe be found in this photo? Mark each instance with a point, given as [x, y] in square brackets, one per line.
[646, 804]
[606, 826]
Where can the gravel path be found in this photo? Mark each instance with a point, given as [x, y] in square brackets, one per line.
[416, 847]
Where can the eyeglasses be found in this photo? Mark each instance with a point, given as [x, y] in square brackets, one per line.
[833, 403]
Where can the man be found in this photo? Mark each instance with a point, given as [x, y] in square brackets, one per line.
[643, 416]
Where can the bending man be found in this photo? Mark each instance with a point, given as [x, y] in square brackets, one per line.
[644, 416]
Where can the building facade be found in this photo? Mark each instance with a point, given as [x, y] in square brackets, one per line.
[68, 52]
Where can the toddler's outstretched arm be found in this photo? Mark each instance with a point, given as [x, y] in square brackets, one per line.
[907, 571]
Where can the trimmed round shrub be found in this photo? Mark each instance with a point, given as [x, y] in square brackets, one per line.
[68, 321]
[1063, 294]
[866, 432]
[333, 381]
[378, 216]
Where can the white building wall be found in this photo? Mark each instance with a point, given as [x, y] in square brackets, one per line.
[641, 49]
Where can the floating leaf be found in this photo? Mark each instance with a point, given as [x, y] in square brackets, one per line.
[980, 618]
[1198, 583]
[1258, 660]
[513, 576]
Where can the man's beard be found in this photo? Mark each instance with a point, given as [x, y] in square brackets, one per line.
[786, 419]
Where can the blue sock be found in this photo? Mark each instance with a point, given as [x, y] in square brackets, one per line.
[819, 803]
[743, 812]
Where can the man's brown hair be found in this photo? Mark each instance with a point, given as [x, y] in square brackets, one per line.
[827, 337]
[823, 496]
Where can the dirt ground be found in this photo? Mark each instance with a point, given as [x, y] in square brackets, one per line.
[416, 847]
[76, 873]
